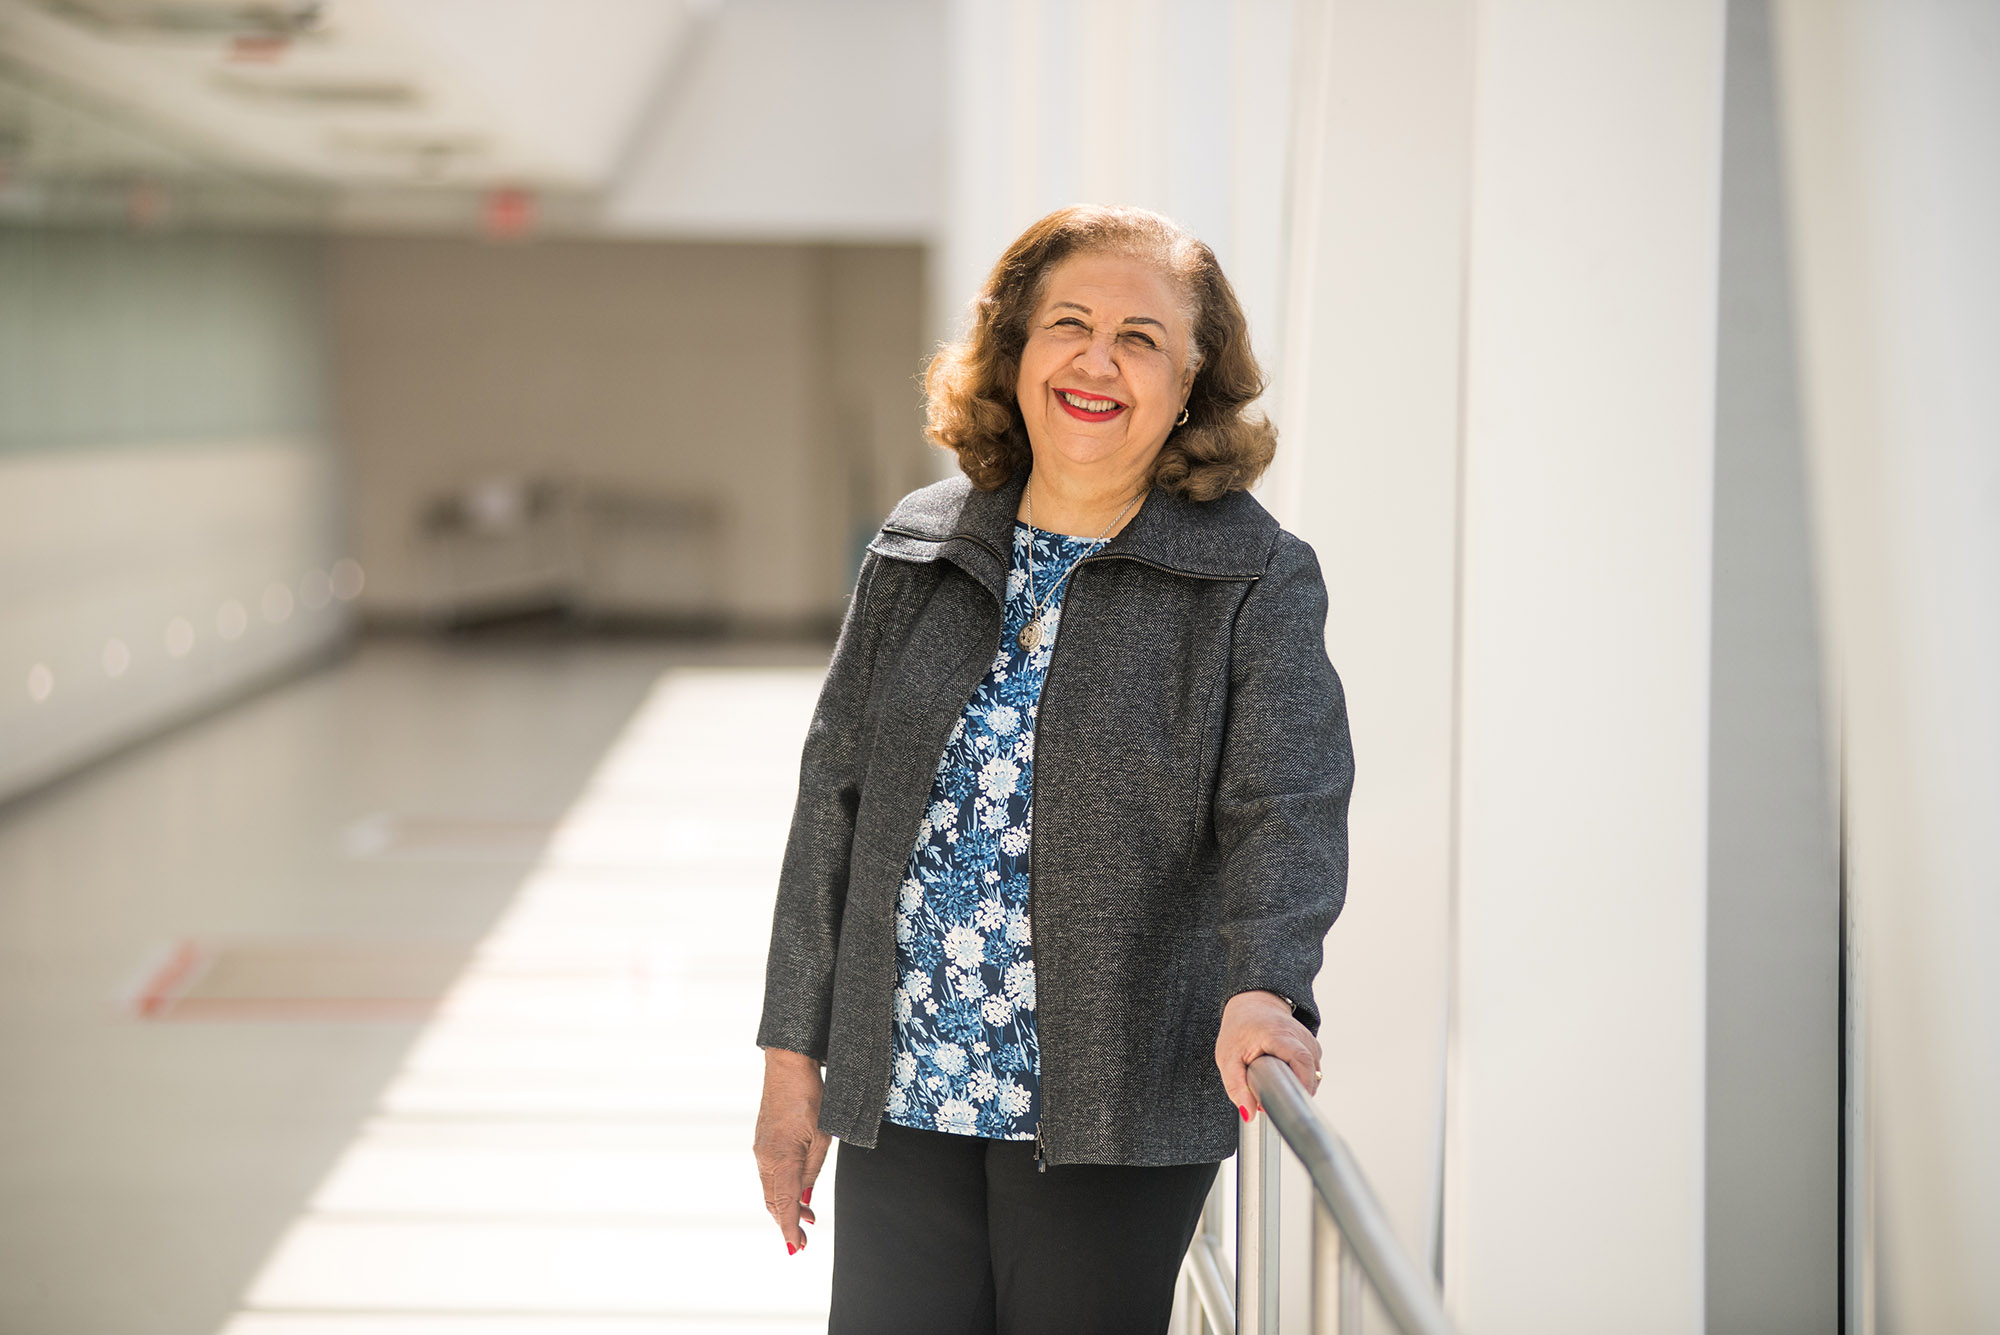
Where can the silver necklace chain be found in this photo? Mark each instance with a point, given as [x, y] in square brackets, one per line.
[1031, 634]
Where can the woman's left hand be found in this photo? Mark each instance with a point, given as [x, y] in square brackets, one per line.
[1257, 1024]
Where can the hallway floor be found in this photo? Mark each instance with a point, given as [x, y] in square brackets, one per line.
[415, 997]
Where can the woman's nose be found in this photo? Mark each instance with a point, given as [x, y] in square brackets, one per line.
[1096, 359]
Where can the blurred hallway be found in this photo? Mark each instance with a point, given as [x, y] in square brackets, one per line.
[369, 967]
[470, 941]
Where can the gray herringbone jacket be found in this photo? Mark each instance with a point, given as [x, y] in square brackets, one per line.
[1192, 771]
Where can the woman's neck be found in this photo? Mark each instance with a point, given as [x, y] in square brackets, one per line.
[1080, 506]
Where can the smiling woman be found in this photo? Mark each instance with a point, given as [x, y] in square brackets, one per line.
[1175, 290]
[1033, 1024]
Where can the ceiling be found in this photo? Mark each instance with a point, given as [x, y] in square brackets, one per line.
[333, 95]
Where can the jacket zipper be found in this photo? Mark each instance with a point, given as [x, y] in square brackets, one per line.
[1035, 779]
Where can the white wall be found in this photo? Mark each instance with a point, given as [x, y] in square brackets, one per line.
[793, 120]
[774, 383]
[1368, 474]
[1180, 107]
[1575, 1147]
[162, 461]
[1889, 112]
[141, 583]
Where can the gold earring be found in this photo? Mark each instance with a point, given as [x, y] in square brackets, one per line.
[1183, 418]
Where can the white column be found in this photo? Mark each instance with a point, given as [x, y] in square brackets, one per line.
[1574, 1152]
[1890, 111]
[1368, 474]
[1179, 107]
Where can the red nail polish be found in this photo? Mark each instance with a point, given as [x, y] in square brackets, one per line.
[1244, 1109]
[807, 1195]
[791, 1250]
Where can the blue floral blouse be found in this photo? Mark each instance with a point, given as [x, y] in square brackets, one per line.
[965, 1056]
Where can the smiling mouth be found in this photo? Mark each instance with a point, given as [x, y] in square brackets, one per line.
[1088, 407]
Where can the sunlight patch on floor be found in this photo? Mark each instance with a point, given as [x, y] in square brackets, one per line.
[566, 1150]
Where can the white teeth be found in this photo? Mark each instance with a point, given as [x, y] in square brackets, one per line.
[1088, 405]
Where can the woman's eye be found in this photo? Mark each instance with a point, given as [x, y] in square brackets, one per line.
[1143, 340]
[1068, 321]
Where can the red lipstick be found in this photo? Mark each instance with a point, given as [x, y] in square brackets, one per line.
[1083, 414]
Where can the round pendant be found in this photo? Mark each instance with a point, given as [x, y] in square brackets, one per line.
[1031, 634]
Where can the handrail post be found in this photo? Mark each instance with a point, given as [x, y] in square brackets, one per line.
[1257, 1163]
[1327, 1256]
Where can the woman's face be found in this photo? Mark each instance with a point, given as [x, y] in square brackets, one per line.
[1105, 370]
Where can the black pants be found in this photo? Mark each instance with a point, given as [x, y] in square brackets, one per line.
[953, 1235]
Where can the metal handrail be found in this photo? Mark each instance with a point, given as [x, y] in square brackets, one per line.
[1353, 1243]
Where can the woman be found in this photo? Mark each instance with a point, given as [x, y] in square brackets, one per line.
[1071, 822]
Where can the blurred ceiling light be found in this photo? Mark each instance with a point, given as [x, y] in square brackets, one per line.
[116, 658]
[191, 18]
[426, 153]
[41, 682]
[347, 579]
[277, 604]
[231, 620]
[314, 590]
[180, 637]
[379, 93]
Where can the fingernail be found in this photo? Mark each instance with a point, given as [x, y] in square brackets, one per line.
[807, 1195]
[1244, 1110]
[791, 1250]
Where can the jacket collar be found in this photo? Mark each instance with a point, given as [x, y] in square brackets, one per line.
[1227, 538]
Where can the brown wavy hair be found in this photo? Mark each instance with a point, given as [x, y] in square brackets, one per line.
[969, 387]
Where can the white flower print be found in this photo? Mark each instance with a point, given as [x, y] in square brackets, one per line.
[1013, 1099]
[998, 776]
[1021, 984]
[965, 947]
[965, 1056]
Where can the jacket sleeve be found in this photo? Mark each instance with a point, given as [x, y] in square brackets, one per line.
[812, 886]
[1283, 780]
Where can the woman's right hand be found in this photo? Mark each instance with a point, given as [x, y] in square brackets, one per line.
[790, 1146]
